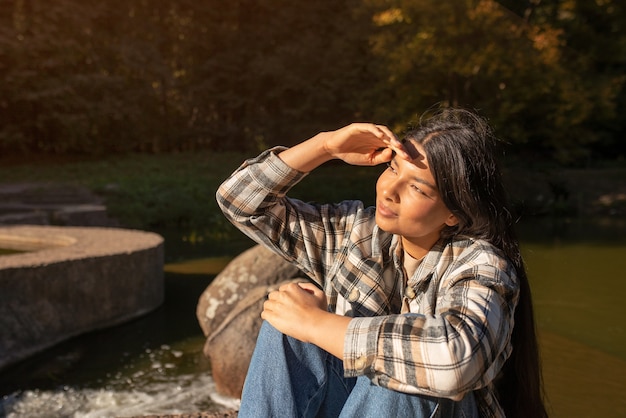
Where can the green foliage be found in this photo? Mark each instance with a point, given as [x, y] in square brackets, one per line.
[100, 78]
[143, 191]
[518, 70]
[165, 191]
[177, 191]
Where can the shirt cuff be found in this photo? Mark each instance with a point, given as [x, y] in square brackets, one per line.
[269, 171]
[361, 346]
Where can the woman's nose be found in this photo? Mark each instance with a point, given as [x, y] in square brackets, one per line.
[390, 191]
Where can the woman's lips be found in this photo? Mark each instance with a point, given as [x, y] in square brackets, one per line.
[385, 211]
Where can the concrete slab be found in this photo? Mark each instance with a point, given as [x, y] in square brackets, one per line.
[72, 280]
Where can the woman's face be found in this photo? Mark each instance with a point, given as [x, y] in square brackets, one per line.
[408, 202]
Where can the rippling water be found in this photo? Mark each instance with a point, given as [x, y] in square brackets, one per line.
[183, 394]
[166, 380]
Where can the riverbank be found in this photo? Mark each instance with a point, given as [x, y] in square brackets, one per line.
[177, 190]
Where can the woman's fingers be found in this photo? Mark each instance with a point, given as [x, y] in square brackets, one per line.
[296, 296]
[364, 144]
[386, 132]
[292, 308]
[309, 287]
[394, 143]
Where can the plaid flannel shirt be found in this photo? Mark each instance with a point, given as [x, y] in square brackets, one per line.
[453, 338]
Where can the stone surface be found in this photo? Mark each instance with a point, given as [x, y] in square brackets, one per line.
[72, 280]
[225, 414]
[229, 313]
[51, 204]
[254, 267]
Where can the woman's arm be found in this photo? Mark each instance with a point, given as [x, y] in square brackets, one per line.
[253, 197]
[459, 347]
[456, 341]
[300, 310]
[250, 199]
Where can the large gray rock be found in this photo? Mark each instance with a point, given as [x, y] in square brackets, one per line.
[72, 280]
[229, 313]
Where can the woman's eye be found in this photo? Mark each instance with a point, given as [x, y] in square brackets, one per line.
[417, 189]
[390, 167]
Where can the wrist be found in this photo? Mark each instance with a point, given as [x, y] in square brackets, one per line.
[307, 155]
[328, 331]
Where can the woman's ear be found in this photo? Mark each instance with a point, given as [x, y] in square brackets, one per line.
[452, 220]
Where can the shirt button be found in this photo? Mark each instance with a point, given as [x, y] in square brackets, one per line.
[354, 295]
[359, 363]
[409, 292]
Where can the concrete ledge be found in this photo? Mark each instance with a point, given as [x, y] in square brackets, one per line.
[73, 280]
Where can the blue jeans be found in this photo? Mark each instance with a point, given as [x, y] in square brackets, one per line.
[288, 378]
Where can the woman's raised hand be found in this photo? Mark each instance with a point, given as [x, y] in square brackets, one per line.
[356, 144]
[363, 144]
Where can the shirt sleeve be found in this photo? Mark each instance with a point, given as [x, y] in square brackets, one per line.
[460, 348]
[254, 199]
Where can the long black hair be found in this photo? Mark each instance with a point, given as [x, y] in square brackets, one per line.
[460, 149]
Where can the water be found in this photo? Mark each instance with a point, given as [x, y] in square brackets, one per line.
[578, 277]
[155, 365]
[189, 392]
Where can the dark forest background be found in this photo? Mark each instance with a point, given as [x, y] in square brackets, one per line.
[85, 77]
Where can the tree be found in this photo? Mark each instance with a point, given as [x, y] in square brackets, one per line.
[120, 76]
[276, 71]
[476, 53]
[594, 47]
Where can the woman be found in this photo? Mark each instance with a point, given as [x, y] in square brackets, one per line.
[412, 303]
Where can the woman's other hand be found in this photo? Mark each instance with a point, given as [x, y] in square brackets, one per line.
[300, 311]
[293, 308]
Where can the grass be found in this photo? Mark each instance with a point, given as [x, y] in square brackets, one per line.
[178, 190]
